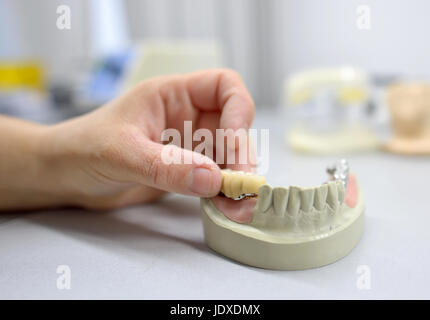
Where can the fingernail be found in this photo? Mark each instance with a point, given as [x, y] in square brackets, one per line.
[203, 181]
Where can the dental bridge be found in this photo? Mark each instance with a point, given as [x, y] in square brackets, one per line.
[292, 228]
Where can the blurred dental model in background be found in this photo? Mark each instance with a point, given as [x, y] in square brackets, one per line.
[330, 111]
[409, 106]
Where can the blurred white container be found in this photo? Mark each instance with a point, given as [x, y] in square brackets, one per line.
[328, 111]
[161, 57]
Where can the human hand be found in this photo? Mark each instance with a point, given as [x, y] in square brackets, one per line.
[112, 157]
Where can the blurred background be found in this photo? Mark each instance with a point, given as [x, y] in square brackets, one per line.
[78, 54]
[331, 79]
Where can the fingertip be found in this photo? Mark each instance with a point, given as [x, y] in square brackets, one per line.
[237, 115]
[205, 181]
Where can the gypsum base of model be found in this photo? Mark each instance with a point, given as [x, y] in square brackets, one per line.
[408, 146]
[348, 139]
[292, 228]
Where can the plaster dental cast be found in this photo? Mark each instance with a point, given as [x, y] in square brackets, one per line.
[330, 108]
[285, 228]
[409, 106]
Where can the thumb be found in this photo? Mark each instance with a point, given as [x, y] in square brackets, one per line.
[174, 169]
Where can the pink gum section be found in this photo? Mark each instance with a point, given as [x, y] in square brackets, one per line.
[237, 210]
[351, 192]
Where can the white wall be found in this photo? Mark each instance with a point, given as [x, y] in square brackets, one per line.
[30, 31]
[268, 39]
[265, 40]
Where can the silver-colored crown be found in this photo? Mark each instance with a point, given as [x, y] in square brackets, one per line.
[339, 171]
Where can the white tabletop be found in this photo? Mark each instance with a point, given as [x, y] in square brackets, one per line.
[157, 251]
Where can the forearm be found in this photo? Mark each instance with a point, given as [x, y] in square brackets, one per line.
[23, 171]
[112, 156]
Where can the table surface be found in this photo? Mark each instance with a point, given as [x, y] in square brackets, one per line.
[157, 251]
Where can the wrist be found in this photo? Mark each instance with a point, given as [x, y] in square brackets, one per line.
[65, 154]
[23, 171]
[53, 166]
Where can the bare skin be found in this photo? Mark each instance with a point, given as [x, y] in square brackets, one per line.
[111, 157]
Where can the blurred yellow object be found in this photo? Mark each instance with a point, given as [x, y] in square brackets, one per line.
[350, 85]
[347, 139]
[350, 95]
[162, 57]
[300, 96]
[329, 111]
[20, 75]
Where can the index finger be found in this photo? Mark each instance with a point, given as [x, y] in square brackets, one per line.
[222, 90]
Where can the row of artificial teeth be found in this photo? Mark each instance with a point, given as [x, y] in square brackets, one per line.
[290, 201]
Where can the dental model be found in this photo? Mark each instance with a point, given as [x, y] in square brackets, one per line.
[330, 111]
[291, 228]
[409, 105]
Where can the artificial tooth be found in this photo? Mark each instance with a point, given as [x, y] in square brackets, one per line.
[341, 191]
[265, 196]
[307, 199]
[280, 200]
[226, 186]
[320, 198]
[332, 196]
[237, 183]
[252, 182]
[293, 201]
[236, 188]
